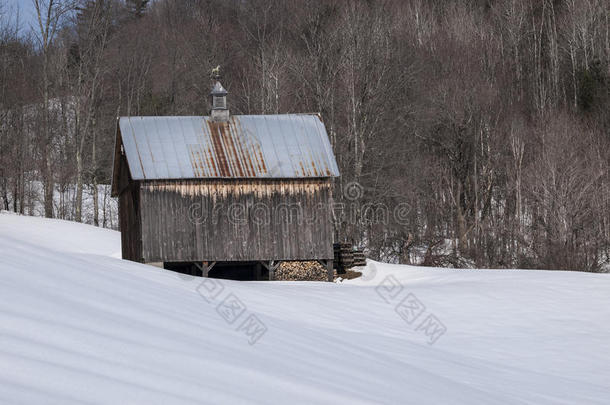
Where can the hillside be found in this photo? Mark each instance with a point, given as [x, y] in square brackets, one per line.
[80, 325]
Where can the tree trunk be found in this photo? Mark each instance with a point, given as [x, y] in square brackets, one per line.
[47, 176]
[461, 221]
[48, 185]
[79, 186]
[96, 220]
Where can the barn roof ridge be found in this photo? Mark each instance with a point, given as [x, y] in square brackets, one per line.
[233, 115]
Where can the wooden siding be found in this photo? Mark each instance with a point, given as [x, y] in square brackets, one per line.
[129, 215]
[236, 220]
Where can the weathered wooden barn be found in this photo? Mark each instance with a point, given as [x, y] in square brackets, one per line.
[205, 194]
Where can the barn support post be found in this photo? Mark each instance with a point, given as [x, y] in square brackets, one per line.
[330, 270]
[271, 265]
[205, 267]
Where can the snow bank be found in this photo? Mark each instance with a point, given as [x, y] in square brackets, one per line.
[78, 325]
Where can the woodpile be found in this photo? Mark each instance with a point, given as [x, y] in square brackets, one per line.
[301, 271]
[347, 257]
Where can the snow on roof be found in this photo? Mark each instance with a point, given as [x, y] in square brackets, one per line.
[247, 146]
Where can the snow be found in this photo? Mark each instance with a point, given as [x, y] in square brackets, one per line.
[80, 325]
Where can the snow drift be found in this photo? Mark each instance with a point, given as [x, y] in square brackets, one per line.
[80, 325]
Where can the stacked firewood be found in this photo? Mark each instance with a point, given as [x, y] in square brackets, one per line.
[301, 271]
[347, 257]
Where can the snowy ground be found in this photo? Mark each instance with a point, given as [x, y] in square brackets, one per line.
[79, 325]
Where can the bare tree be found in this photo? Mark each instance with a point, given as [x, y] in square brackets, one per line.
[50, 16]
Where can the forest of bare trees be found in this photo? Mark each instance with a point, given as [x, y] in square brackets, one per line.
[488, 119]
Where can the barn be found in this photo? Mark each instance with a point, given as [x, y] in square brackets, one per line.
[224, 195]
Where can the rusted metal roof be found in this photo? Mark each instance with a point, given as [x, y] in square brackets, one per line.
[247, 146]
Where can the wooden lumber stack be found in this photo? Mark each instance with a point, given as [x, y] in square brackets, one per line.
[347, 257]
[359, 259]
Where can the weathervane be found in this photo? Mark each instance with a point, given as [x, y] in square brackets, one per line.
[216, 73]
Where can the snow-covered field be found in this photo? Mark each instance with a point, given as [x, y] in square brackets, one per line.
[79, 325]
